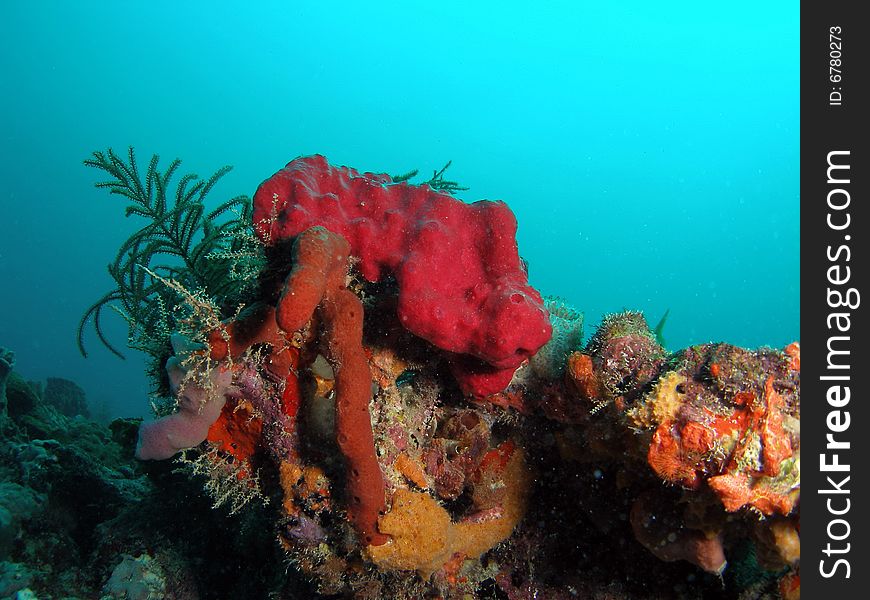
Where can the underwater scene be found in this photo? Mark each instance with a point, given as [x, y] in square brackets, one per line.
[399, 300]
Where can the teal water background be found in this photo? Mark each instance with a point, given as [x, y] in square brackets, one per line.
[650, 151]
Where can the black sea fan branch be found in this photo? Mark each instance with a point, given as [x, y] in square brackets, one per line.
[180, 241]
[436, 182]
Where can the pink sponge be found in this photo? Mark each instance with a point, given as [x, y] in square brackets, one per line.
[462, 285]
[198, 408]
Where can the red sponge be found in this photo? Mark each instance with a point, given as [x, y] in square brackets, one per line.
[462, 285]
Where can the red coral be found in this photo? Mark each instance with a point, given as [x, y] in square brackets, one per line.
[461, 283]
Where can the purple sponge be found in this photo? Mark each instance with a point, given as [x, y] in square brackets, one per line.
[198, 408]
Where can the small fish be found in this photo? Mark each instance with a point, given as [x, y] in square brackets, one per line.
[660, 338]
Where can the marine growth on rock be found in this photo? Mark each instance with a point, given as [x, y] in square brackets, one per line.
[422, 423]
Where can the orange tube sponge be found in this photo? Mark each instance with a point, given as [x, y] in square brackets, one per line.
[317, 283]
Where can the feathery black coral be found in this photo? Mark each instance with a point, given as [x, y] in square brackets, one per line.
[180, 241]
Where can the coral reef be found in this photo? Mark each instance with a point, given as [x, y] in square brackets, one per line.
[392, 406]
[81, 518]
[7, 363]
[719, 422]
[719, 418]
[66, 396]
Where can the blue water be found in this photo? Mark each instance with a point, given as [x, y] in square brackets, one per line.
[649, 152]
